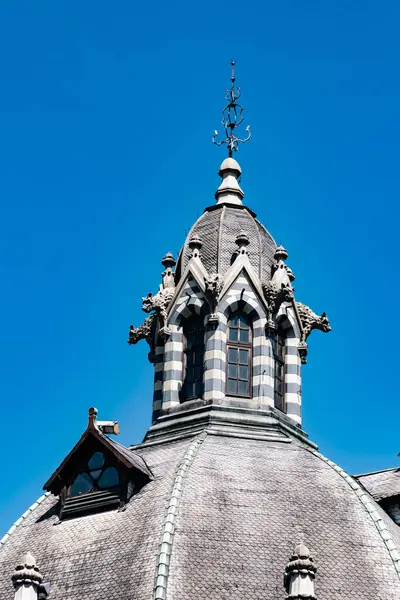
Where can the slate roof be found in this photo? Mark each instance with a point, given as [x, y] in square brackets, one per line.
[229, 511]
[218, 228]
[381, 484]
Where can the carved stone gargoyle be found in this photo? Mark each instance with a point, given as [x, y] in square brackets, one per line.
[143, 332]
[159, 304]
[274, 297]
[214, 284]
[310, 321]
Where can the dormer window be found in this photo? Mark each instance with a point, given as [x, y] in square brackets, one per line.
[239, 356]
[98, 474]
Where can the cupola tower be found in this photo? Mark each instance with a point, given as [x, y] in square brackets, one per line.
[225, 330]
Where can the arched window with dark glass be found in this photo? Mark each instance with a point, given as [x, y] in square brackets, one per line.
[279, 359]
[239, 356]
[193, 331]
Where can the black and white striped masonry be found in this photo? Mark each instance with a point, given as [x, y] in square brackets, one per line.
[229, 264]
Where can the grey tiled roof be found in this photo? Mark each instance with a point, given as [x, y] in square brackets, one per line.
[242, 506]
[218, 228]
[381, 484]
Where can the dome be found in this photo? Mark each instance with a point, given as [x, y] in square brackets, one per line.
[219, 520]
[221, 224]
[218, 228]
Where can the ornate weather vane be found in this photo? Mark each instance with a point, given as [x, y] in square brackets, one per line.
[232, 118]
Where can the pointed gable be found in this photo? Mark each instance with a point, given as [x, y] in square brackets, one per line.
[98, 473]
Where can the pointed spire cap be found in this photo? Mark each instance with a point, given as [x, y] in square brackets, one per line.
[229, 192]
[302, 551]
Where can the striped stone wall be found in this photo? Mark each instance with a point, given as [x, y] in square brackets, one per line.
[241, 295]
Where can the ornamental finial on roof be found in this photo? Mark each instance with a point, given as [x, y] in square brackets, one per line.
[27, 580]
[300, 574]
[232, 118]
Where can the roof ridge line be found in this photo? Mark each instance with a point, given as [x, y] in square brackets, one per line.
[376, 472]
[22, 518]
[365, 499]
[168, 527]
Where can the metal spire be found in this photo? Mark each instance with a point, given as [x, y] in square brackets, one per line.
[232, 118]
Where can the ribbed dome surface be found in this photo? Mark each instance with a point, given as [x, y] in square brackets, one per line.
[217, 229]
[238, 507]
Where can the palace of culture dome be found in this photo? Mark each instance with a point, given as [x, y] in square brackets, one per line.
[226, 498]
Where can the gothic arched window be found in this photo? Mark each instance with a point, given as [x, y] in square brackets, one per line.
[193, 330]
[239, 356]
[279, 356]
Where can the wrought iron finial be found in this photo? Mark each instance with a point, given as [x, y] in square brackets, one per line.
[232, 117]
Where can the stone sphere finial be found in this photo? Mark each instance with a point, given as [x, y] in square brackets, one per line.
[168, 261]
[27, 572]
[242, 239]
[280, 253]
[229, 192]
[290, 274]
[93, 412]
[195, 244]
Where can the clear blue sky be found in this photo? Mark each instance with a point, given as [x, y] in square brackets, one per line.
[107, 111]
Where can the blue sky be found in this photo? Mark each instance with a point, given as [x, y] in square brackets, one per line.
[107, 112]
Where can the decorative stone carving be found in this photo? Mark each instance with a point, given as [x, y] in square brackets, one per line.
[146, 331]
[214, 284]
[242, 241]
[274, 296]
[159, 304]
[168, 276]
[309, 322]
[195, 245]
[143, 332]
[27, 579]
[290, 274]
[279, 289]
[299, 575]
[303, 350]
[280, 272]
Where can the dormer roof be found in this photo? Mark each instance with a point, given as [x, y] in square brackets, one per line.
[128, 458]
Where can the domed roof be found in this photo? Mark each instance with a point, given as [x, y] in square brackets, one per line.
[219, 520]
[220, 225]
[218, 228]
